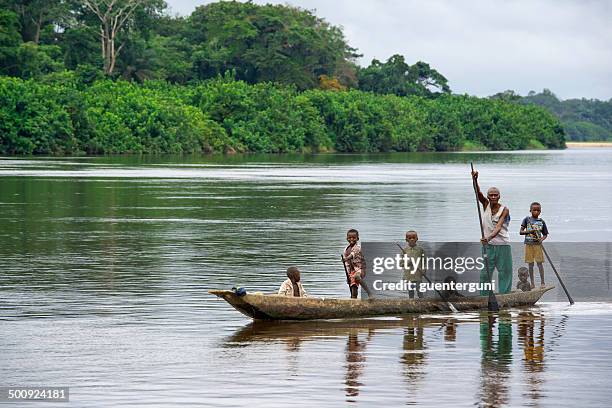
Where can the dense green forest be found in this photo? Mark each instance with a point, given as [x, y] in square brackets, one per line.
[582, 119]
[122, 76]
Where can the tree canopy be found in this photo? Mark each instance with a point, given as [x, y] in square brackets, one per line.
[583, 119]
[265, 43]
[397, 77]
[65, 114]
[137, 40]
[123, 76]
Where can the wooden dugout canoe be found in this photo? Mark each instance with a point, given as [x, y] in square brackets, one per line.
[275, 307]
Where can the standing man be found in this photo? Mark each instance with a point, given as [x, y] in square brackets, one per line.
[495, 222]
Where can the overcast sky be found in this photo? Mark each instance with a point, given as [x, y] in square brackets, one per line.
[481, 46]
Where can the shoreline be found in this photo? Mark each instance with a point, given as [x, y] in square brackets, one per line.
[582, 145]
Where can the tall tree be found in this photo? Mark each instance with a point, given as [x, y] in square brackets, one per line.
[266, 43]
[116, 17]
[397, 77]
[24, 59]
[430, 80]
[9, 41]
[508, 95]
[35, 15]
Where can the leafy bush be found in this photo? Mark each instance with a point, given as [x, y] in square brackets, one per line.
[262, 117]
[108, 117]
[63, 113]
[32, 120]
[128, 118]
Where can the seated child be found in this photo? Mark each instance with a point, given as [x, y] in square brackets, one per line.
[523, 284]
[535, 231]
[292, 286]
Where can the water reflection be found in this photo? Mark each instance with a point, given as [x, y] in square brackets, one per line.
[105, 261]
[355, 361]
[421, 338]
[413, 356]
[450, 331]
[531, 337]
[289, 332]
[413, 346]
[496, 358]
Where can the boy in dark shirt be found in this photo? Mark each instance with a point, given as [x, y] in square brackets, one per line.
[535, 231]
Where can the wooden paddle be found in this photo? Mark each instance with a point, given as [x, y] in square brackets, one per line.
[558, 276]
[448, 303]
[492, 305]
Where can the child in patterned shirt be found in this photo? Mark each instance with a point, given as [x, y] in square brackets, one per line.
[535, 231]
[355, 264]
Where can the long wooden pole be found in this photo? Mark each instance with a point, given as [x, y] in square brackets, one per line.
[492, 305]
[348, 280]
[558, 276]
[448, 303]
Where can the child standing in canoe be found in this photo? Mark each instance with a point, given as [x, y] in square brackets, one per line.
[415, 270]
[354, 263]
[535, 231]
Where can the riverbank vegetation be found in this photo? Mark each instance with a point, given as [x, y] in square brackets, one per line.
[81, 77]
[584, 120]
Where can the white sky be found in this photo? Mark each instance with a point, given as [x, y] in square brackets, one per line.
[481, 46]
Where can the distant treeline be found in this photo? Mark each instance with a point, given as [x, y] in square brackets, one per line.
[61, 115]
[582, 119]
[122, 76]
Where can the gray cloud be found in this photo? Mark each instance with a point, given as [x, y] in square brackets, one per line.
[481, 46]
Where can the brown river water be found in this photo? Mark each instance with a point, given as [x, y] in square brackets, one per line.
[106, 263]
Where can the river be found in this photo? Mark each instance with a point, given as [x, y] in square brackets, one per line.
[106, 263]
